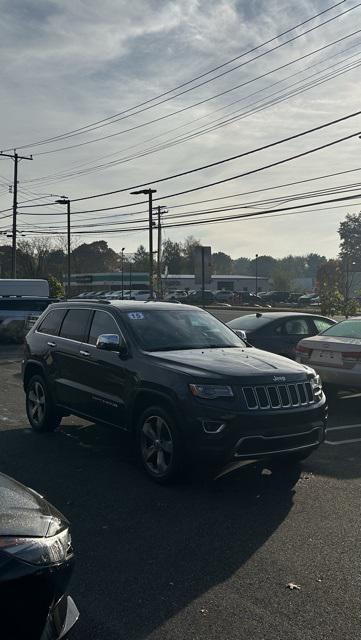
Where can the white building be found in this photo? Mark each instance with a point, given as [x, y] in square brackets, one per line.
[218, 282]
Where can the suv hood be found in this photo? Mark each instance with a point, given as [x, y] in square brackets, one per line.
[233, 362]
[24, 513]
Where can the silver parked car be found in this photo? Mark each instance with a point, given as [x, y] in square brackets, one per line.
[335, 354]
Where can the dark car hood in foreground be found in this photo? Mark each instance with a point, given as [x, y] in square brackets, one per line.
[25, 513]
[233, 362]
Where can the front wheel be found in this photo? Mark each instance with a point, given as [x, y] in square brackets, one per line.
[40, 409]
[159, 445]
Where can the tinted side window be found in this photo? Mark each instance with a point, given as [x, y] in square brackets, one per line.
[75, 324]
[322, 325]
[296, 327]
[102, 323]
[51, 324]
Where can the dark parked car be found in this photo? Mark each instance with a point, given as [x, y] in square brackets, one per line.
[36, 562]
[249, 299]
[279, 331]
[199, 297]
[181, 381]
[17, 314]
[278, 297]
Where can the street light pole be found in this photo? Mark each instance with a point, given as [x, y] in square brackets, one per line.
[149, 192]
[256, 274]
[123, 273]
[64, 200]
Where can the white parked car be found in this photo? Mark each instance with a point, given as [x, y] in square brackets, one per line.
[335, 354]
[142, 294]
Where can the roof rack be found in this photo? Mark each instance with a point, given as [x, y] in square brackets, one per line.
[81, 300]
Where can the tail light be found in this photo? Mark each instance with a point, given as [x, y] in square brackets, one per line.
[351, 356]
[303, 351]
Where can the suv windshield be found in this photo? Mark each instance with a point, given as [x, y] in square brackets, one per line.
[164, 330]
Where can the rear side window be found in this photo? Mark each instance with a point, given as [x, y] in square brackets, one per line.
[51, 323]
[102, 323]
[322, 325]
[75, 324]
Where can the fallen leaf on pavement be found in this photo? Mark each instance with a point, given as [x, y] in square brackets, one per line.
[292, 586]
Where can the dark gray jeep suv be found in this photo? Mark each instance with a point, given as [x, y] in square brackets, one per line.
[184, 383]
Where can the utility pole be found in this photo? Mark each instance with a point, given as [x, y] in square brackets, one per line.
[256, 274]
[64, 200]
[123, 273]
[160, 210]
[15, 156]
[149, 192]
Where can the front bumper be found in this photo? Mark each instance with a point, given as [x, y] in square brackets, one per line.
[257, 435]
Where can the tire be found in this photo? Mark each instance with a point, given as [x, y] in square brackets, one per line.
[40, 408]
[159, 445]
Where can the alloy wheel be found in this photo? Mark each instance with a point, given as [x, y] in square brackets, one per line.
[157, 445]
[36, 403]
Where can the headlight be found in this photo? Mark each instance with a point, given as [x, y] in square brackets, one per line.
[40, 551]
[211, 391]
[316, 382]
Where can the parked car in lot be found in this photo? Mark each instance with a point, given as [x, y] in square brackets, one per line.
[249, 299]
[198, 297]
[307, 299]
[142, 294]
[224, 296]
[36, 562]
[281, 298]
[17, 314]
[183, 383]
[178, 295]
[279, 331]
[335, 354]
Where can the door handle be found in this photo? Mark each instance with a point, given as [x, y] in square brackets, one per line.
[51, 344]
[84, 353]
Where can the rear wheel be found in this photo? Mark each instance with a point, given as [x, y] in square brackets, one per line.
[40, 408]
[159, 445]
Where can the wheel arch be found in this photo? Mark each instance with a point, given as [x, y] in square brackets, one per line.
[32, 368]
[150, 398]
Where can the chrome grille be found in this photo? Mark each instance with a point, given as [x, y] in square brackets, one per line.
[278, 396]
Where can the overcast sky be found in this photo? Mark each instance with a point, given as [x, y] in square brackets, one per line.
[68, 63]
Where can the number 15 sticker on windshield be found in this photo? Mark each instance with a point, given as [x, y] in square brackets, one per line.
[136, 315]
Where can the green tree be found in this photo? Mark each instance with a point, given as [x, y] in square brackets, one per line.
[56, 289]
[329, 286]
[172, 256]
[241, 266]
[95, 257]
[281, 278]
[222, 263]
[141, 259]
[187, 250]
[350, 239]
[265, 265]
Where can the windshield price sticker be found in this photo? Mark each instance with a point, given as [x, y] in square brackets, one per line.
[136, 315]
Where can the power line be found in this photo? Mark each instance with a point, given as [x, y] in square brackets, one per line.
[245, 205]
[224, 218]
[201, 102]
[147, 102]
[232, 158]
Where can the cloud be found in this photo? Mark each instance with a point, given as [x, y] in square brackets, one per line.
[66, 63]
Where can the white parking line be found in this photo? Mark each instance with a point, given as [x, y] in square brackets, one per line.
[335, 444]
[345, 426]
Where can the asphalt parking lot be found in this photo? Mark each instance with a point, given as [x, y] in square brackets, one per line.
[207, 559]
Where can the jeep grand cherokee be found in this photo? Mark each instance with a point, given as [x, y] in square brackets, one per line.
[180, 380]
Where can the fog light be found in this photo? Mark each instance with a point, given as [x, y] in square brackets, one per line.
[213, 426]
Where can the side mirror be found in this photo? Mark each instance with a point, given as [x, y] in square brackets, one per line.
[241, 334]
[109, 342]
